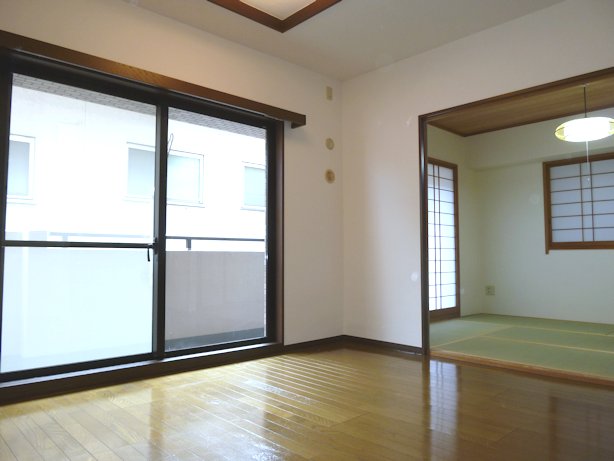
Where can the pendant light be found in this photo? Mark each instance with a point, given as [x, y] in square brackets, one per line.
[585, 129]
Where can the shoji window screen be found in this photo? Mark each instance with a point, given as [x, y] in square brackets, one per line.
[443, 236]
[579, 203]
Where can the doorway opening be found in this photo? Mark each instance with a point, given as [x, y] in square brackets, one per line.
[522, 287]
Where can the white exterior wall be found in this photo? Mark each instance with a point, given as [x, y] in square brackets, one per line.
[124, 33]
[381, 158]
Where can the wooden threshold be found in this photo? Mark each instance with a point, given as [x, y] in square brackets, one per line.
[523, 368]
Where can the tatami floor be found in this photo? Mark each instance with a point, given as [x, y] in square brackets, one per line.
[576, 350]
[336, 404]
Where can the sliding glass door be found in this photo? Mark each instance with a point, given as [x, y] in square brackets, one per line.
[77, 279]
[134, 224]
[216, 231]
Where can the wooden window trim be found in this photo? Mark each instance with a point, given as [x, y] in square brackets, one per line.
[18, 43]
[550, 245]
[450, 312]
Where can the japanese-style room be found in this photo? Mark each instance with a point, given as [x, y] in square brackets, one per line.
[524, 279]
[306, 230]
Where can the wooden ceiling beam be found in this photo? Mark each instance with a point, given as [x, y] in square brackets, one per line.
[545, 102]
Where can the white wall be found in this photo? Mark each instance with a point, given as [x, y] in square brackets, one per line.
[119, 31]
[565, 284]
[380, 137]
[529, 143]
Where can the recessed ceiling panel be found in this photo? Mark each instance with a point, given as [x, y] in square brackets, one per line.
[280, 15]
[281, 9]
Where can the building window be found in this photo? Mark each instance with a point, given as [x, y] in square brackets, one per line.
[443, 239]
[20, 167]
[185, 175]
[254, 187]
[579, 203]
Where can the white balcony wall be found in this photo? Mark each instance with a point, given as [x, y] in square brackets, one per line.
[214, 292]
[72, 305]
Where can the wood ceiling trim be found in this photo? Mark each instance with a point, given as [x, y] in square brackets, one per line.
[308, 12]
[537, 104]
[280, 25]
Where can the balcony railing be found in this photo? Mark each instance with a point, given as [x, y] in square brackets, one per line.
[80, 236]
[189, 240]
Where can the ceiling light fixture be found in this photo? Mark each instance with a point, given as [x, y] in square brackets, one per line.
[585, 129]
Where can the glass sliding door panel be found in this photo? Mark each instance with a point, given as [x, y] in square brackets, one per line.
[73, 188]
[216, 231]
[73, 174]
[70, 305]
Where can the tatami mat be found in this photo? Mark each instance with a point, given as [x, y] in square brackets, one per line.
[585, 349]
[549, 324]
[455, 330]
[566, 339]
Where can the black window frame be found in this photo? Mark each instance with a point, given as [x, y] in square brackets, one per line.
[18, 62]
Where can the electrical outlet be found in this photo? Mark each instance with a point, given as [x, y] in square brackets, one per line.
[490, 290]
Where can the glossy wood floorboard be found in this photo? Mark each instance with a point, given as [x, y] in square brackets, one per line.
[338, 404]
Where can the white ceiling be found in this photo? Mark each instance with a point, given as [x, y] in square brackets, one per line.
[353, 36]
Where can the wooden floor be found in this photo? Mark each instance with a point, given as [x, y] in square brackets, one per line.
[339, 404]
